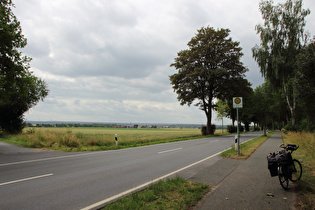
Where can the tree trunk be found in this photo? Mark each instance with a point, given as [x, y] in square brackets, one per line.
[209, 113]
[291, 106]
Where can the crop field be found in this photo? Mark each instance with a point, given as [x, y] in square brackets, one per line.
[90, 139]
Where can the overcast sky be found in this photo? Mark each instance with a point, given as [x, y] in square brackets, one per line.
[109, 60]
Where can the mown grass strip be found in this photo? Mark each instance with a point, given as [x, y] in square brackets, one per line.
[246, 149]
[174, 193]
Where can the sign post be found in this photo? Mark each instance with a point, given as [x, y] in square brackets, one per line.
[237, 104]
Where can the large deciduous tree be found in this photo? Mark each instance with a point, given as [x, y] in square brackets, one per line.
[210, 68]
[19, 88]
[282, 38]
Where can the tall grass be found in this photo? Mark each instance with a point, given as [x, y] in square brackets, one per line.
[306, 155]
[91, 139]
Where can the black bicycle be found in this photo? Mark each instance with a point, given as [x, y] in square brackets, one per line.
[283, 165]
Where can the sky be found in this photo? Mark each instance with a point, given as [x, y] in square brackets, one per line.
[109, 60]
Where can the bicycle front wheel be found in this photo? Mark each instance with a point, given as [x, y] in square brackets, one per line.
[296, 170]
[283, 178]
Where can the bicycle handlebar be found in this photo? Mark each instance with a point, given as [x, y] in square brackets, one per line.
[291, 147]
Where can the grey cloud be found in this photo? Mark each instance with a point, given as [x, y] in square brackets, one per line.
[102, 58]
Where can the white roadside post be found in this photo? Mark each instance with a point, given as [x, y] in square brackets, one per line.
[237, 104]
[116, 139]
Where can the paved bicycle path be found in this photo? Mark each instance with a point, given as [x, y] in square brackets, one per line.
[245, 184]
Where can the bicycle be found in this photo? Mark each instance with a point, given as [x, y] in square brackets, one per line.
[283, 165]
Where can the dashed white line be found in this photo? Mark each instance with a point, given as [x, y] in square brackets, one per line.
[26, 179]
[171, 150]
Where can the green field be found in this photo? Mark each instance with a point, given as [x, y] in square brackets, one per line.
[91, 139]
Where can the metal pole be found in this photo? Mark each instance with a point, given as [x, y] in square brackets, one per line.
[238, 135]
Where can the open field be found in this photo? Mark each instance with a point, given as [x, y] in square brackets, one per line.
[91, 139]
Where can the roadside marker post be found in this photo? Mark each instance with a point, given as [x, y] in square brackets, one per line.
[237, 104]
[116, 139]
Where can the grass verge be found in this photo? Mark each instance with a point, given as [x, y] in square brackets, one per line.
[246, 149]
[174, 193]
[306, 155]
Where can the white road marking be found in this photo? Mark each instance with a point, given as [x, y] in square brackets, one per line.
[26, 179]
[213, 141]
[100, 203]
[51, 158]
[171, 150]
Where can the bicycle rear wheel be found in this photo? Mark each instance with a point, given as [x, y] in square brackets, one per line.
[283, 178]
[296, 170]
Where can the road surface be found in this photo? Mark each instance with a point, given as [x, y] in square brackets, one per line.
[32, 179]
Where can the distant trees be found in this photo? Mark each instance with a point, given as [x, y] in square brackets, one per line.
[20, 90]
[210, 68]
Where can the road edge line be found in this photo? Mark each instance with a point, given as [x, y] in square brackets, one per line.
[107, 200]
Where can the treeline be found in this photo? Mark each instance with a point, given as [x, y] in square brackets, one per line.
[88, 125]
[66, 125]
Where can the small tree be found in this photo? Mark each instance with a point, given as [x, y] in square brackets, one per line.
[209, 69]
[19, 88]
[222, 109]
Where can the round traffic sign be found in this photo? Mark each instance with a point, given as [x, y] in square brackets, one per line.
[237, 100]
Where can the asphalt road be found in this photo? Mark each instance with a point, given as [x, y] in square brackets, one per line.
[33, 179]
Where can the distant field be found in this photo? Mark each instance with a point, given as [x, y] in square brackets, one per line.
[124, 134]
[90, 139]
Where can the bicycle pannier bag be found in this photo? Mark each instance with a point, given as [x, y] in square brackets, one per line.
[272, 164]
[284, 157]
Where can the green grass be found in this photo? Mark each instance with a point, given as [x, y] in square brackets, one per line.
[175, 193]
[306, 155]
[93, 139]
[246, 149]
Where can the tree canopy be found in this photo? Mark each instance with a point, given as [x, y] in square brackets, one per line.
[20, 90]
[210, 68]
[282, 38]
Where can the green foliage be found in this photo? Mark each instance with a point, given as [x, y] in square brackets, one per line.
[306, 85]
[204, 130]
[210, 68]
[222, 109]
[19, 89]
[282, 37]
[269, 109]
[231, 129]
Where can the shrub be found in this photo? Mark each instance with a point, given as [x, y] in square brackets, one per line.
[204, 130]
[231, 129]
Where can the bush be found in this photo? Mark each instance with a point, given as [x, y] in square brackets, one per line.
[290, 127]
[204, 130]
[233, 129]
